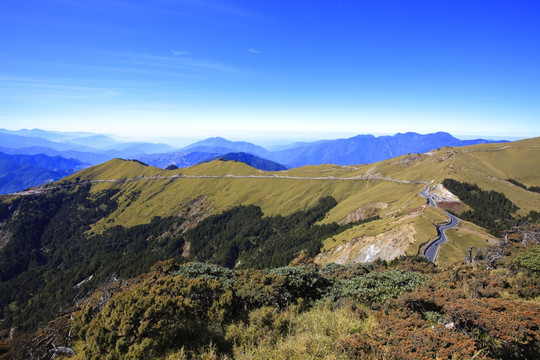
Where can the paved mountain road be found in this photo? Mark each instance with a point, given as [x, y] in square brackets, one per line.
[432, 249]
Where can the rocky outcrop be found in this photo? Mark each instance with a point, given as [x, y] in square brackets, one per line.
[444, 199]
[386, 246]
[4, 236]
[195, 211]
[363, 212]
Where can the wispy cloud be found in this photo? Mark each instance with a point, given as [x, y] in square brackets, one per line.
[223, 7]
[255, 51]
[54, 83]
[184, 8]
[179, 53]
[182, 63]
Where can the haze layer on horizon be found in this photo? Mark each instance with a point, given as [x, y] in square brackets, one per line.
[270, 70]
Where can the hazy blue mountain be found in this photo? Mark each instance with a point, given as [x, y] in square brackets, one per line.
[95, 149]
[138, 148]
[186, 159]
[82, 142]
[179, 159]
[18, 172]
[94, 141]
[277, 148]
[251, 160]
[364, 149]
[48, 135]
[85, 157]
[18, 141]
[222, 146]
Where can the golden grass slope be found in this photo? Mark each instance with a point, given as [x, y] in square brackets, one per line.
[219, 185]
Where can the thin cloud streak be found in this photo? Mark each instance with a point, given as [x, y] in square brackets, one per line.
[184, 63]
[163, 7]
[254, 51]
[179, 53]
[223, 7]
[59, 84]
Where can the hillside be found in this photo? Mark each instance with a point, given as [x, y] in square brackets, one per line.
[187, 159]
[251, 160]
[122, 216]
[488, 165]
[277, 194]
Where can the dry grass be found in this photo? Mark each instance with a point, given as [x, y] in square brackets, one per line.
[309, 335]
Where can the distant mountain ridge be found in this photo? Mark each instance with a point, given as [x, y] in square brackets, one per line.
[219, 145]
[183, 160]
[357, 150]
[92, 149]
[252, 160]
[364, 149]
[177, 158]
[18, 172]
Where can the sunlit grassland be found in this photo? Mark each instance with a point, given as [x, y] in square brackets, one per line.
[488, 165]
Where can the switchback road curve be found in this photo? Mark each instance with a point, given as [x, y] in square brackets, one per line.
[432, 249]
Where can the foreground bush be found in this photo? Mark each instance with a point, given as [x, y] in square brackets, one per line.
[367, 311]
[156, 315]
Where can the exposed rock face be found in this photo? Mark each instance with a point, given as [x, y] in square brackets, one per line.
[195, 211]
[4, 236]
[185, 249]
[364, 212]
[386, 246]
[440, 190]
[444, 199]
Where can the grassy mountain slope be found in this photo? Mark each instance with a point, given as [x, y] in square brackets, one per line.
[488, 165]
[251, 160]
[165, 197]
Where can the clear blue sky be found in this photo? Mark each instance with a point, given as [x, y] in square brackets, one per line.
[244, 69]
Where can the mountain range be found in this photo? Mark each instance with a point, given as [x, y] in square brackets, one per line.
[91, 149]
[361, 149]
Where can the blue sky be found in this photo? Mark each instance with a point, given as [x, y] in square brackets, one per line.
[271, 69]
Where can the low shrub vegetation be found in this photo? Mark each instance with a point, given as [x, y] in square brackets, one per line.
[403, 309]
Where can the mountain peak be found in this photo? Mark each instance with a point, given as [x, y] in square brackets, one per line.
[222, 145]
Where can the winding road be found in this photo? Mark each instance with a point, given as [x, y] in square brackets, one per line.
[432, 249]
